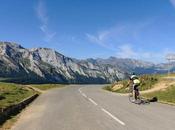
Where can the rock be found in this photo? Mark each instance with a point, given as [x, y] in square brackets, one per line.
[47, 65]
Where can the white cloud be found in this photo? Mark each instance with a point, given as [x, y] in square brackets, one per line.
[106, 38]
[119, 34]
[100, 40]
[103, 35]
[126, 51]
[172, 2]
[94, 39]
[41, 12]
[121, 38]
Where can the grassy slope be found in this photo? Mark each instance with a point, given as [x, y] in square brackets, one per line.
[12, 94]
[147, 82]
[47, 86]
[167, 95]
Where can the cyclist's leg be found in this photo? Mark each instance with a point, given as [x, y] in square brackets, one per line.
[133, 91]
[136, 92]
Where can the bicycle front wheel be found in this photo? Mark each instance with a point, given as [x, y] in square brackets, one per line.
[131, 98]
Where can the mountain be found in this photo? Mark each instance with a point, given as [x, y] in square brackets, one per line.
[129, 65]
[166, 67]
[46, 65]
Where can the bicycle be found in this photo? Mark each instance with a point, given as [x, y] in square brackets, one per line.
[140, 100]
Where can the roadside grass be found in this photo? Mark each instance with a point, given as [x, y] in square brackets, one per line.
[147, 82]
[11, 94]
[47, 86]
[167, 95]
[171, 74]
[108, 87]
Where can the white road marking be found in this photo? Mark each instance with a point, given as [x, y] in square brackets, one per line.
[108, 113]
[115, 118]
[84, 95]
[93, 101]
[80, 90]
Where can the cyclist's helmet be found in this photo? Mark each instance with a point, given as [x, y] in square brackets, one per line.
[133, 76]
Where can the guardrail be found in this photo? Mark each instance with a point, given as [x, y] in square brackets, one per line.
[6, 113]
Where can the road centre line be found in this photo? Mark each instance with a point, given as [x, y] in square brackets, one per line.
[104, 110]
[115, 118]
[84, 95]
[93, 101]
[80, 90]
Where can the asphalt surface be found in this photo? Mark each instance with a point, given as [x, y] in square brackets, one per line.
[88, 107]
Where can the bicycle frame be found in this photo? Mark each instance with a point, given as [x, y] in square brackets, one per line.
[139, 100]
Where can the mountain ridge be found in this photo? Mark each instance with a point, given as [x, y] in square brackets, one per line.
[48, 65]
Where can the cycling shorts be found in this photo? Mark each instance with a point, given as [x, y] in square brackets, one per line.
[136, 87]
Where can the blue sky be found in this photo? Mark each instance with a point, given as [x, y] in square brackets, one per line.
[140, 29]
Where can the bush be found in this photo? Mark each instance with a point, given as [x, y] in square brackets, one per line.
[147, 81]
[2, 97]
[109, 88]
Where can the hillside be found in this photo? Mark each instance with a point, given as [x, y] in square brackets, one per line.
[37, 65]
[160, 86]
[46, 65]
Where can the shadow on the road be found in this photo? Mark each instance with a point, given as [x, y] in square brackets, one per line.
[154, 99]
[147, 101]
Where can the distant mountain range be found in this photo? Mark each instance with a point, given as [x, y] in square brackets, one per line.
[37, 65]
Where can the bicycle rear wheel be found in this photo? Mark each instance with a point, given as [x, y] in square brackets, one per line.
[131, 98]
[144, 101]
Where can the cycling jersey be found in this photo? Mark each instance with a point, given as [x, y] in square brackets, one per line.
[136, 81]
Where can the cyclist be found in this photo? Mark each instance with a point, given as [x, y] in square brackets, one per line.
[135, 85]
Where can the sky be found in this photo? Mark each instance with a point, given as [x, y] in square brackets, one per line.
[139, 29]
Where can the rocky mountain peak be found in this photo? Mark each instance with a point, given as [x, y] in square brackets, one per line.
[45, 64]
[11, 45]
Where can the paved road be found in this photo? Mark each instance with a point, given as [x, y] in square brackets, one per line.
[88, 107]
